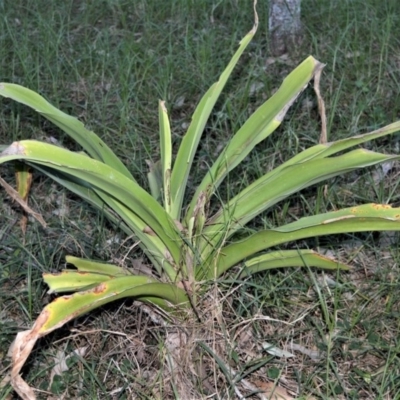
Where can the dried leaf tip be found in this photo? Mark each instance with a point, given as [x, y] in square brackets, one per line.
[255, 26]
[15, 148]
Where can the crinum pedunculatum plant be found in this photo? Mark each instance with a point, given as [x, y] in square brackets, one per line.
[185, 245]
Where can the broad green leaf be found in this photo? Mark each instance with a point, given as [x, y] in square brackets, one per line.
[153, 246]
[86, 265]
[166, 154]
[328, 149]
[92, 144]
[82, 190]
[66, 308]
[71, 280]
[365, 218]
[272, 188]
[344, 144]
[188, 147]
[109, 184]
[258, 127]
[122, 217]
[289, 258]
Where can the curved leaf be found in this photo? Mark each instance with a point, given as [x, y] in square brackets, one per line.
[365, 218]
[66, 308]
[190, 142]
[86, 265]
[110, 185]
[92, 144]
[272, 188]
[70, 280]
[125, 219]
[290, 258]
[323, 150]
[258, 127]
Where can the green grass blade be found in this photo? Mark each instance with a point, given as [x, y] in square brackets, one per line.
[272, 188]
[91, 143]
[290, 258]
[365, 218]
[188, 147]
[109, 184]
[258, 127]
[222, 365]
[166, 155]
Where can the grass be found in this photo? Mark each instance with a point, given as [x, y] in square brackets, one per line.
[109, 65]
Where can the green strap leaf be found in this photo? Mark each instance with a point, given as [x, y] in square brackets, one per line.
[289, 258]
[258, 127]
[188, 147]
[365, 218]
[166, 155]
[274, 187]
[66, 308]
[110, 185]
[86, 265]
[328, 149]
[92, 144]
[125, 219]
[23, 176]
[72, 281]
[155, 179]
